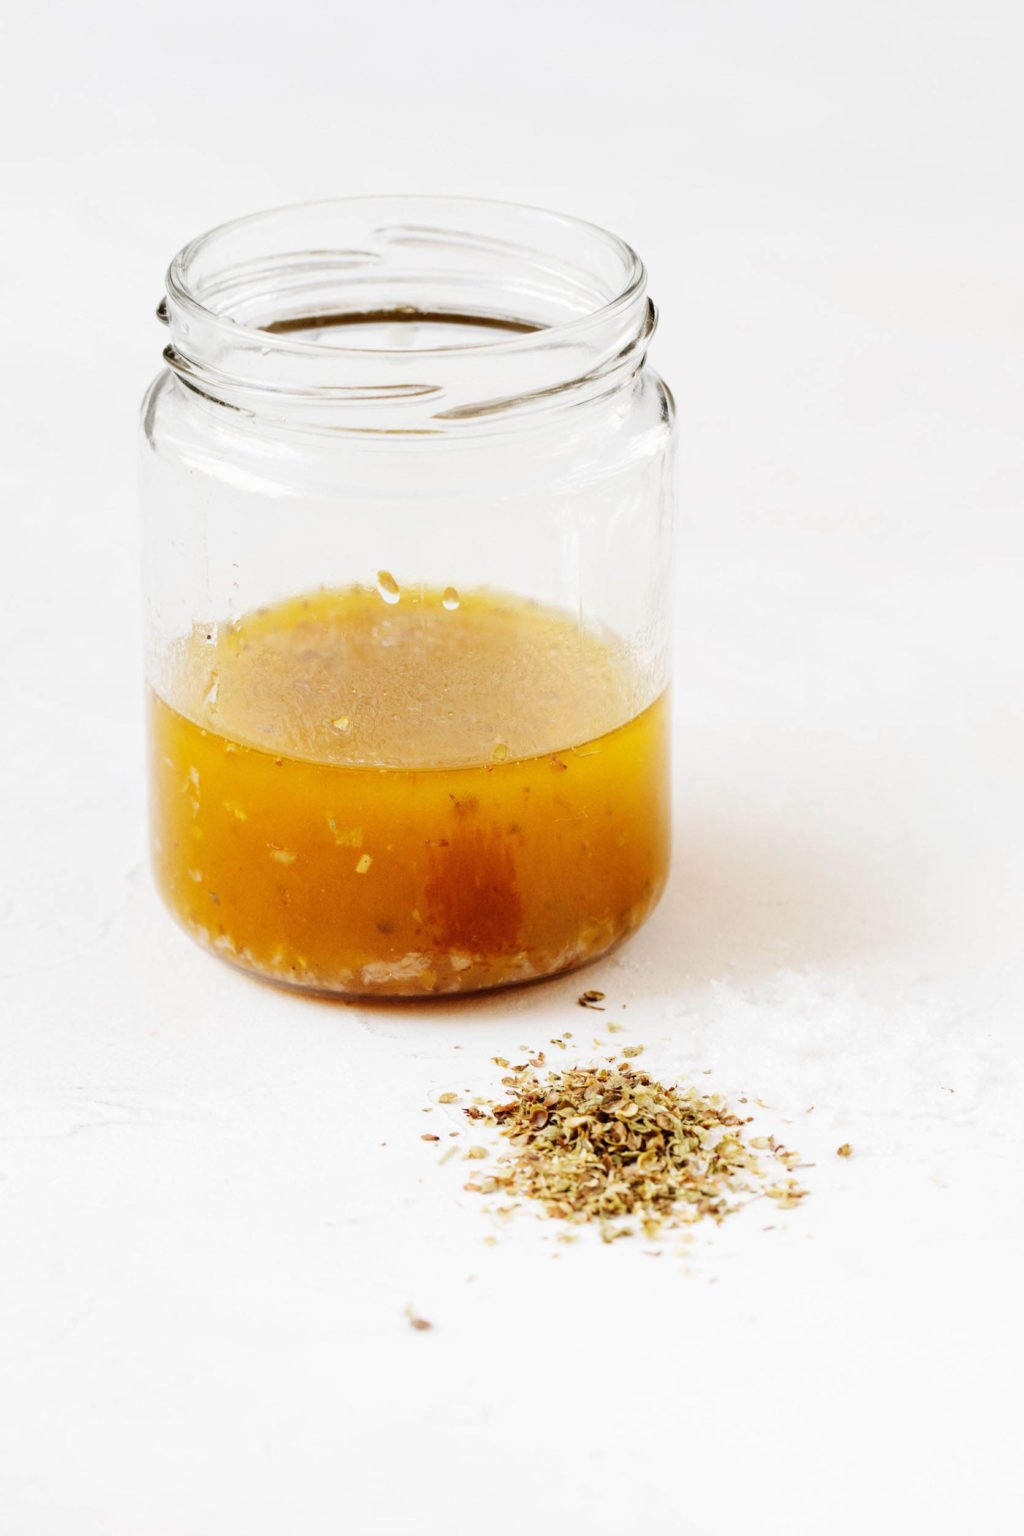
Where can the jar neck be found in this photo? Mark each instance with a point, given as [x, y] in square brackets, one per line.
[395, 315]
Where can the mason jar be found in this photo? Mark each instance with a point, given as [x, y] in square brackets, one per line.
[407, 499]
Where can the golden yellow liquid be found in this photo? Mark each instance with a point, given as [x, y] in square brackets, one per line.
[402, 794]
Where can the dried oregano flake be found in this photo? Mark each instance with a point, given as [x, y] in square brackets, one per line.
[612, 1146]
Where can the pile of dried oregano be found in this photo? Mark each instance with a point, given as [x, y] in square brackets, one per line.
[611, 1145]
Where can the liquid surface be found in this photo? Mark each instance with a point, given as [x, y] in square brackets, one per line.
[378, 791]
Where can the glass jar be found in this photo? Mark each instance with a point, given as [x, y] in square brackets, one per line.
[407, 491]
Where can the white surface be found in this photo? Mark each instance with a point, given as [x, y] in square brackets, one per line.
[206, 1249]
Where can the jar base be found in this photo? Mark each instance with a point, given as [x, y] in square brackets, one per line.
[397, 990]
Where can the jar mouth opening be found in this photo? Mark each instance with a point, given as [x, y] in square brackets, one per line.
[460, 303]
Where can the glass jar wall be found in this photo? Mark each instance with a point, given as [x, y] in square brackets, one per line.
[407, 491]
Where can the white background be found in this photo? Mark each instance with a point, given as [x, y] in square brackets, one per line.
[205, 1249]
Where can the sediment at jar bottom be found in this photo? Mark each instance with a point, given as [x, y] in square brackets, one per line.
[401, 880]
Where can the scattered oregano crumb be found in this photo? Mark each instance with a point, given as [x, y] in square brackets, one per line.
[612, 1146]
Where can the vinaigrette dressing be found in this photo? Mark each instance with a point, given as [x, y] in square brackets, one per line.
[405, 792]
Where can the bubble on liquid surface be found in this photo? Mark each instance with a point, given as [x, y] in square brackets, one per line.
[450, 598]
[387, 586]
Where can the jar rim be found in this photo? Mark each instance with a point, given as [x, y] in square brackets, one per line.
[180, 288]
[568, 296]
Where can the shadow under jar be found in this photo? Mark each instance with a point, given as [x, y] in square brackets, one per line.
[407, 492]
